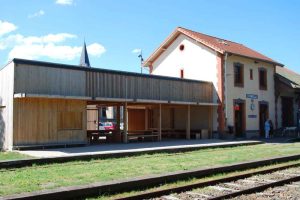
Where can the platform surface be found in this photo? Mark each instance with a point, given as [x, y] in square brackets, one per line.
[134, 147]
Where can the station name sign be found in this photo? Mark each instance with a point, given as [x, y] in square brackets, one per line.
[252, 96]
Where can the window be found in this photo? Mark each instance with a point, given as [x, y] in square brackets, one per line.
[262, 78]
[251, 74]
[181, 73]
[181, 47]
[238, 75]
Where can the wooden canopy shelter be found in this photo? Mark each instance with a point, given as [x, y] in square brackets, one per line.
[46, 103]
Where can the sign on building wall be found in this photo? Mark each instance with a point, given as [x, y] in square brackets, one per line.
[252, 105]
[252, 96]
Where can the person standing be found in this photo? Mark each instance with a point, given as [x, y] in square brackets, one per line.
[267, 129]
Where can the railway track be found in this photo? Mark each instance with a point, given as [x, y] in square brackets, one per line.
[240, 187]
[263, 184]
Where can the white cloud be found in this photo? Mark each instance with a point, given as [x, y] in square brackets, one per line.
[52, 51]
[57, 37]
[95, 49]
[18, 39]
[37, 14]
[6, 27]
[50, 46]
[64, 2]
[59, 52]
[136, 50]
[34, 47]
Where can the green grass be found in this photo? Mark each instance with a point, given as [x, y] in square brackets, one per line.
[84, 172]
[11, 156]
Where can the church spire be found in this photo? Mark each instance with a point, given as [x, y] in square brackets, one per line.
[84, 59]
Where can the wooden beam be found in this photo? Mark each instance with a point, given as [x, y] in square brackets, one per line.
[125, 122]
[188, 122]
[159, 123]
[207, 104]
[28, 95]
[183, 103]
[150, 101]
[113, 99]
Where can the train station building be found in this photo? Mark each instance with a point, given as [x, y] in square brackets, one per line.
[199, 87]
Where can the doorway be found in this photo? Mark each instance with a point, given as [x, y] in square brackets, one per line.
[287, 111]
[92, 118]
[263, 116]
[239, 118]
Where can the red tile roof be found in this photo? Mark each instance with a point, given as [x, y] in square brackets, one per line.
[218, 44]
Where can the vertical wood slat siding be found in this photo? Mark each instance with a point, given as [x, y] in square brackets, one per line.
[37, 121]
[47, 80]
[108, 85]
[71, 82]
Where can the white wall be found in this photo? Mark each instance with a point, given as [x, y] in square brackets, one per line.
[6, 113]
[250, 87]
[197, 61]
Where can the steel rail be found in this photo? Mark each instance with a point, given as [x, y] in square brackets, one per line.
[162, 192]
[257, 188]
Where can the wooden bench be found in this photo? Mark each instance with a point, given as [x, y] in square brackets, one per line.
[181, 133]
[288, 130]
[142, 135]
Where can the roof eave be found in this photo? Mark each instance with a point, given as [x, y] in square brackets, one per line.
[259, 59]
[160, 49]
[165, 44]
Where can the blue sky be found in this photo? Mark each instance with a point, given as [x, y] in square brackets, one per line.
[54, 30]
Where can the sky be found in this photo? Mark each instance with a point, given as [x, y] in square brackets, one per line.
[116, 30]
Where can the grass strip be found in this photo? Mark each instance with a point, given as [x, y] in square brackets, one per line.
[12, 156]
[35, 178]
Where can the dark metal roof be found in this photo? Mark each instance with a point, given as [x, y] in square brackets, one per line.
[84, 58]
[288, 77]
[92, 69]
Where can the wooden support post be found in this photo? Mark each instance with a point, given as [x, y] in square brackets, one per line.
[188, 123]
[118, 118]
[146, 119]
[210, 121]
[159, 123]
[125, 121]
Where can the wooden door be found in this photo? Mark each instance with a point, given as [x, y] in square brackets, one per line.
[239, 119]
[92, 119]
[136, 119]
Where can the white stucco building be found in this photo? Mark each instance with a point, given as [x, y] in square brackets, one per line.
[243, 78]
